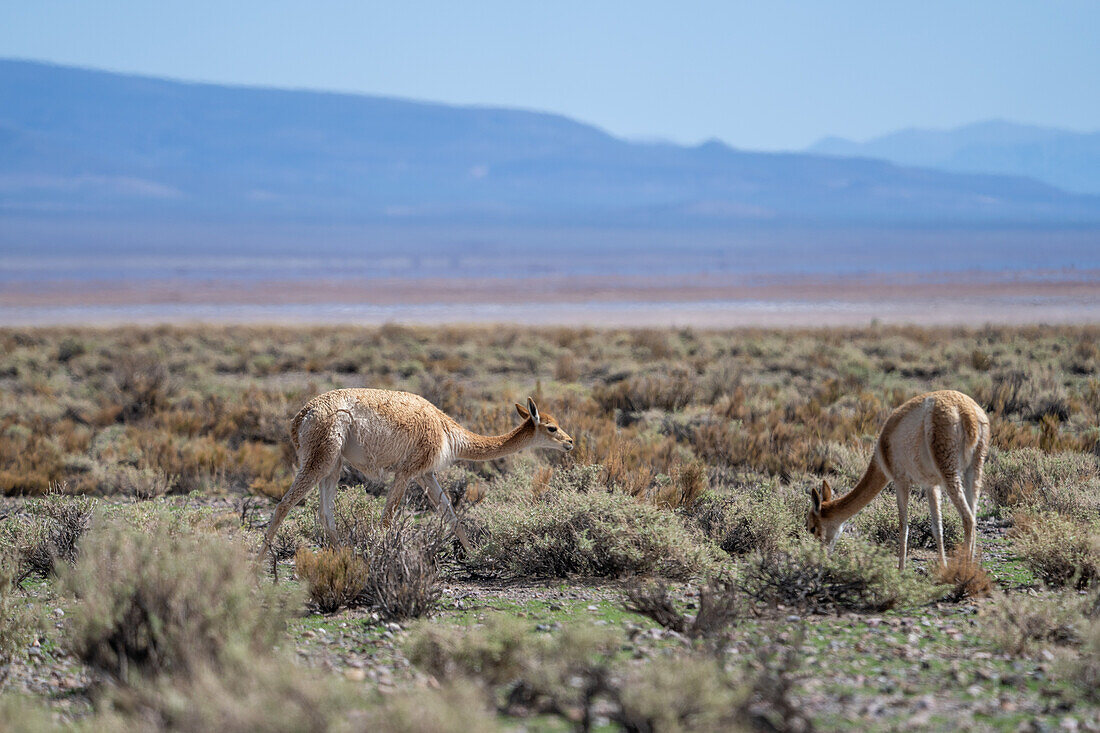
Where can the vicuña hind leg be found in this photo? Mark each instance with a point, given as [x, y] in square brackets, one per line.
[395, 498]
[307, 477]
[935, 513]
[326, 507]
[901, 488]
[958, 498]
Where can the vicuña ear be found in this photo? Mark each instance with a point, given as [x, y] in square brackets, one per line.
[533, 409]
[522, 411]
[815, 499]
[826, 491]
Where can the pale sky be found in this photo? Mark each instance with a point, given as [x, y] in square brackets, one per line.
[757, 75]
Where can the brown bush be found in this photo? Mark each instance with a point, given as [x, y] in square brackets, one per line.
[966, 576]
[335, 577]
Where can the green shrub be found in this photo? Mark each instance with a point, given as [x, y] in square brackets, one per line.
[1067, 483]
[18, 622]
[1022, 625]
[855, 576]
[154, 601]
[596, 533]
[456, 707]
[683, 694]
[878, 522]
[739, 523]
[267, 694]
[1057, 550]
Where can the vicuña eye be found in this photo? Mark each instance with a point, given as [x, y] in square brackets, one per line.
[551, 429]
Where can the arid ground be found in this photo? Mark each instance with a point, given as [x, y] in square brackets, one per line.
[701, 300]
[658, 578]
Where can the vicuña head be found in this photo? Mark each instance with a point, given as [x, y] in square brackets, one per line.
[548, 434]
[826, 531]
[377, 430]
[937, 441]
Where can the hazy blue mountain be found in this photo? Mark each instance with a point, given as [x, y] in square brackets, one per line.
[110, 149]
[1068, 160]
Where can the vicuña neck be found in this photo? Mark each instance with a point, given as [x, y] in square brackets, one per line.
[471, 446]
[873, 482]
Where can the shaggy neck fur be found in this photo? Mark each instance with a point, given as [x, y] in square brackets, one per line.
[842, 509]
[474, 447]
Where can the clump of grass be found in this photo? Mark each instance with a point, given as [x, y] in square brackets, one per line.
[854, 577]
[965, 575]
[720, 607]
[596, 533]
[158, 600]
[335, 577]
[1057, 550]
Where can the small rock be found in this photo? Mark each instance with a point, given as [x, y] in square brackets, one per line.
[355, 675]
[593, 608]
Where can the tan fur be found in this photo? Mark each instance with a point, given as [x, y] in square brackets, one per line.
[938, 441]
[379, 431]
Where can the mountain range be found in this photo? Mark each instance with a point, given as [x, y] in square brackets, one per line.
[99, 151]
[1068, 160]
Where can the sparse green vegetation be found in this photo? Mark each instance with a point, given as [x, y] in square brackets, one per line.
[657, 578]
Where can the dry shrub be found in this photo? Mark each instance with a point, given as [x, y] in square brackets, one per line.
[595, 533]
[566, 368]
[403, 569]
[853, 577]
[61, 524]
[140, 483]
[141, 386]
[686, 485]
[720, 606]
[335, 577]
[1022, 624]
[668, 392]
[1057, 550]
[156, 601]
[965, 575]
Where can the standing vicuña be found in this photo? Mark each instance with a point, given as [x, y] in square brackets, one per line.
[935, 440]
[378, 430]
